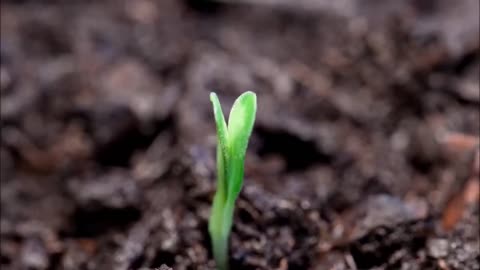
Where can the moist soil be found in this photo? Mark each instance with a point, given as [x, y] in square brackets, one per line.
[364, 153]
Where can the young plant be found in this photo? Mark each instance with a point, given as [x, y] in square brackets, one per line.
[232, 142]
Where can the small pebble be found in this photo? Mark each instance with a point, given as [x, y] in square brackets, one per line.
[437, 248]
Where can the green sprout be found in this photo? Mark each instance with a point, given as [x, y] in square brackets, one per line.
[232, 142]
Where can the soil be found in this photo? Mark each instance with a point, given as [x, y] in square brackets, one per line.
[364, 155]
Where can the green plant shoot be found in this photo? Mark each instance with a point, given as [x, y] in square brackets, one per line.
[232, 142]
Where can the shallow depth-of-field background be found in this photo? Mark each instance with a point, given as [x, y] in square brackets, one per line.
[364, 154]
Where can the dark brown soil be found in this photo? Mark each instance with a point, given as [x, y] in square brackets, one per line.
[362, 157]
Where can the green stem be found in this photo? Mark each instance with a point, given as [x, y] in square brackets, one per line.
[220, 252]
[220, 228]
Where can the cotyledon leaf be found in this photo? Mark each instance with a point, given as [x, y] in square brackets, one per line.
[222, 138]
[240, 125]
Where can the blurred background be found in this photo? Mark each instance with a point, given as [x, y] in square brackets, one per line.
[365, 152]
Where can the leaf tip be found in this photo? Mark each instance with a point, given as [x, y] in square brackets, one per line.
[213, 95]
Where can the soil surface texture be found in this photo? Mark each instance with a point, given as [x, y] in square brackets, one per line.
[364, 155]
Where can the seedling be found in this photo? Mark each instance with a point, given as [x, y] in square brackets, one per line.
[232, 142]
